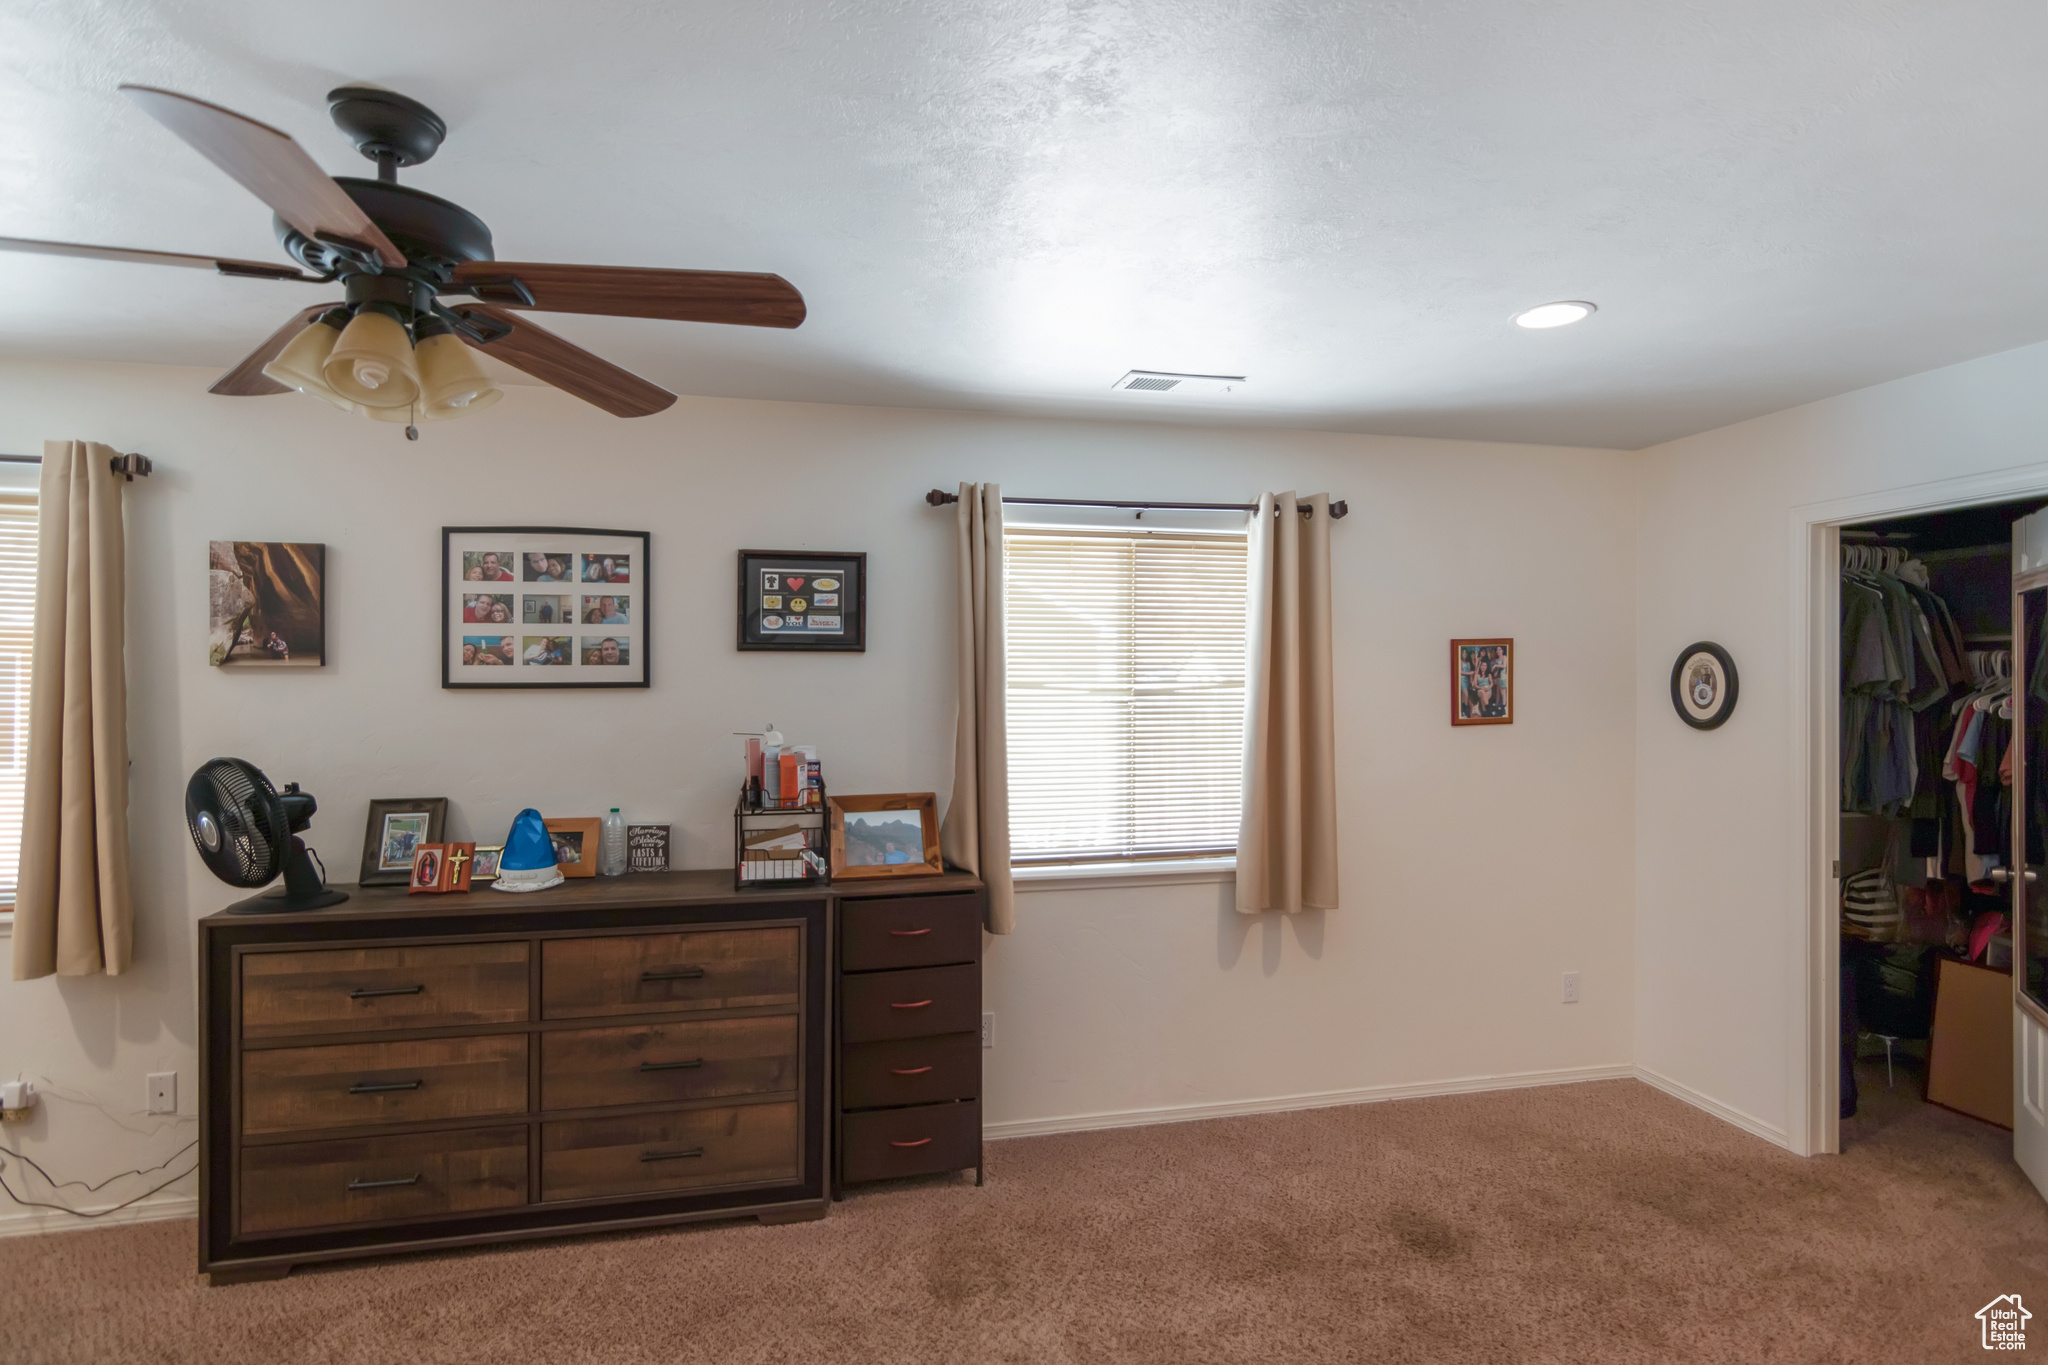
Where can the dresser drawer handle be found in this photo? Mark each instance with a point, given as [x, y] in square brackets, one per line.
[380, 1087]
[365, 992]
[919, 1143]
[671, 1066]
[908, 1070]
[907, 933]
[412, 1179]
[674, 974]
[909, 1004]
[671, 1156]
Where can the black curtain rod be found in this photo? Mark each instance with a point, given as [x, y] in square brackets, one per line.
[939, 497]
[129, 467]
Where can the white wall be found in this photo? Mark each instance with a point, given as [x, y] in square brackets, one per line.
[1477, 863]
[1719, 887]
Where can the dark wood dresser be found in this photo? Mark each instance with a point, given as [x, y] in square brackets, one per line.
[405, 1073]
[909, 1074]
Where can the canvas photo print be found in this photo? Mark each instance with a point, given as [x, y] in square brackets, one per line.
[510, 595]
[267, 604]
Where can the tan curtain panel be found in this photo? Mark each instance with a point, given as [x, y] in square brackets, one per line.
[1287, 844]
[976, 833]
[72, 915]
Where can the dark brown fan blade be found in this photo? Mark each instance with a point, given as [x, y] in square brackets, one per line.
[269, 165]
[627, 292]
[226, 265]
[567, 366]
[247, 379]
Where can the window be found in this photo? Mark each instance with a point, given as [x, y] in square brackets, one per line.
[1126, 654]
[17, 626]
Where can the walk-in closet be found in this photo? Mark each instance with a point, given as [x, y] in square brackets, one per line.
[1928, 739]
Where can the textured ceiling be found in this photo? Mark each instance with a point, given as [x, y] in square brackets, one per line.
[1007, 205]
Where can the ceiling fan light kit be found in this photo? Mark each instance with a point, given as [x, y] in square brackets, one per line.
[391, 349]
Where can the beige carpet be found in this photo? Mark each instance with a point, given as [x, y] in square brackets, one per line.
[1602, 1222]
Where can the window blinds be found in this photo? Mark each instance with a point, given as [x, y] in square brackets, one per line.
[17, 628]
[1126, 658]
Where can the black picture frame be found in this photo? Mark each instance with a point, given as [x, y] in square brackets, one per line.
[641, 633]
[849, 566]
[1722, 706]
[435, 808]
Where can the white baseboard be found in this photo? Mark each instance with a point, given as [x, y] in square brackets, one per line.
[1727, 1113]
[20, 1222]
[1280, 1104]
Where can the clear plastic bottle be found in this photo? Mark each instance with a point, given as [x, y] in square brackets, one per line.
[611, 858]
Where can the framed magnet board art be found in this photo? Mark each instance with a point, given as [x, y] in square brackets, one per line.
[544, 606]
[803, 600]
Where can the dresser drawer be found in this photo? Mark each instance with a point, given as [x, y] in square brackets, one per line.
[710, 969]
[883, 1143]
[657, 1153]
[344, 1085]
[908, 931]
[692, 1059]
[296, 1185]
[361, 990]
[910, 1071]
[914, 1004]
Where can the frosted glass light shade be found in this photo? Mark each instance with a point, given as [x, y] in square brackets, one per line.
[452, 384]
[372, 362]
[301, 364]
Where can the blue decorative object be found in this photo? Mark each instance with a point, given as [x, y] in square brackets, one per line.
[529, 860]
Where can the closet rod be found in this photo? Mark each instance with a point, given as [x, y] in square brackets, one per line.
[938, 497]
[129, 466]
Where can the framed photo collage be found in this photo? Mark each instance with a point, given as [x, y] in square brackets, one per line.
[544, 606]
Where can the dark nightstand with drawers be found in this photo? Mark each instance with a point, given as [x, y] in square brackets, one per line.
[909, 1077]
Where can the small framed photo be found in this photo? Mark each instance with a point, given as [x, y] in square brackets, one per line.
[575, 841]
[397, 828]
[803, 600]
[267, 604]
[1483, 682]
[544, 606]
[885, 836]
[485, 866]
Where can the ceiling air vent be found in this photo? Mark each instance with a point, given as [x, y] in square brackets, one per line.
[1158, 381]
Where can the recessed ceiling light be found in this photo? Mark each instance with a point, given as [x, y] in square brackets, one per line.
[1561, 314]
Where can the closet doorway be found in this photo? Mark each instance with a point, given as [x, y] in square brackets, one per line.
[1942, 719]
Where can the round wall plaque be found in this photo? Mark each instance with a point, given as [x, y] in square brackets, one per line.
[1703, 685]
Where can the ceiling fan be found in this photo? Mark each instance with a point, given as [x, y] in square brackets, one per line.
[390, 348]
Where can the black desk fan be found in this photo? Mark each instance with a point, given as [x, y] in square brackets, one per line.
[247, 832]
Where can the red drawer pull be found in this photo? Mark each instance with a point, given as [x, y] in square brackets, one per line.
[919, 1143]
[907, 933]
[908, 1070]
[910, 1005]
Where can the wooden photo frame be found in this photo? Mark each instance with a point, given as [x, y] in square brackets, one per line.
[1483, 682]
[545, 606]
[881, 846]
[804, 600]
[396, 828]
[576, 839]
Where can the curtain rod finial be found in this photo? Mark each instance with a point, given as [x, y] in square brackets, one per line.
[128, 466]
[1339, 510]
[939, 497]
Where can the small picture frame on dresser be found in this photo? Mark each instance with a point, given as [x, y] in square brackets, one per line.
[397, 827]
[894, 835]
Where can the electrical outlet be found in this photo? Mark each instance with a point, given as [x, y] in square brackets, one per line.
[1571, 988]
[163, 1092]
[988, 1030]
